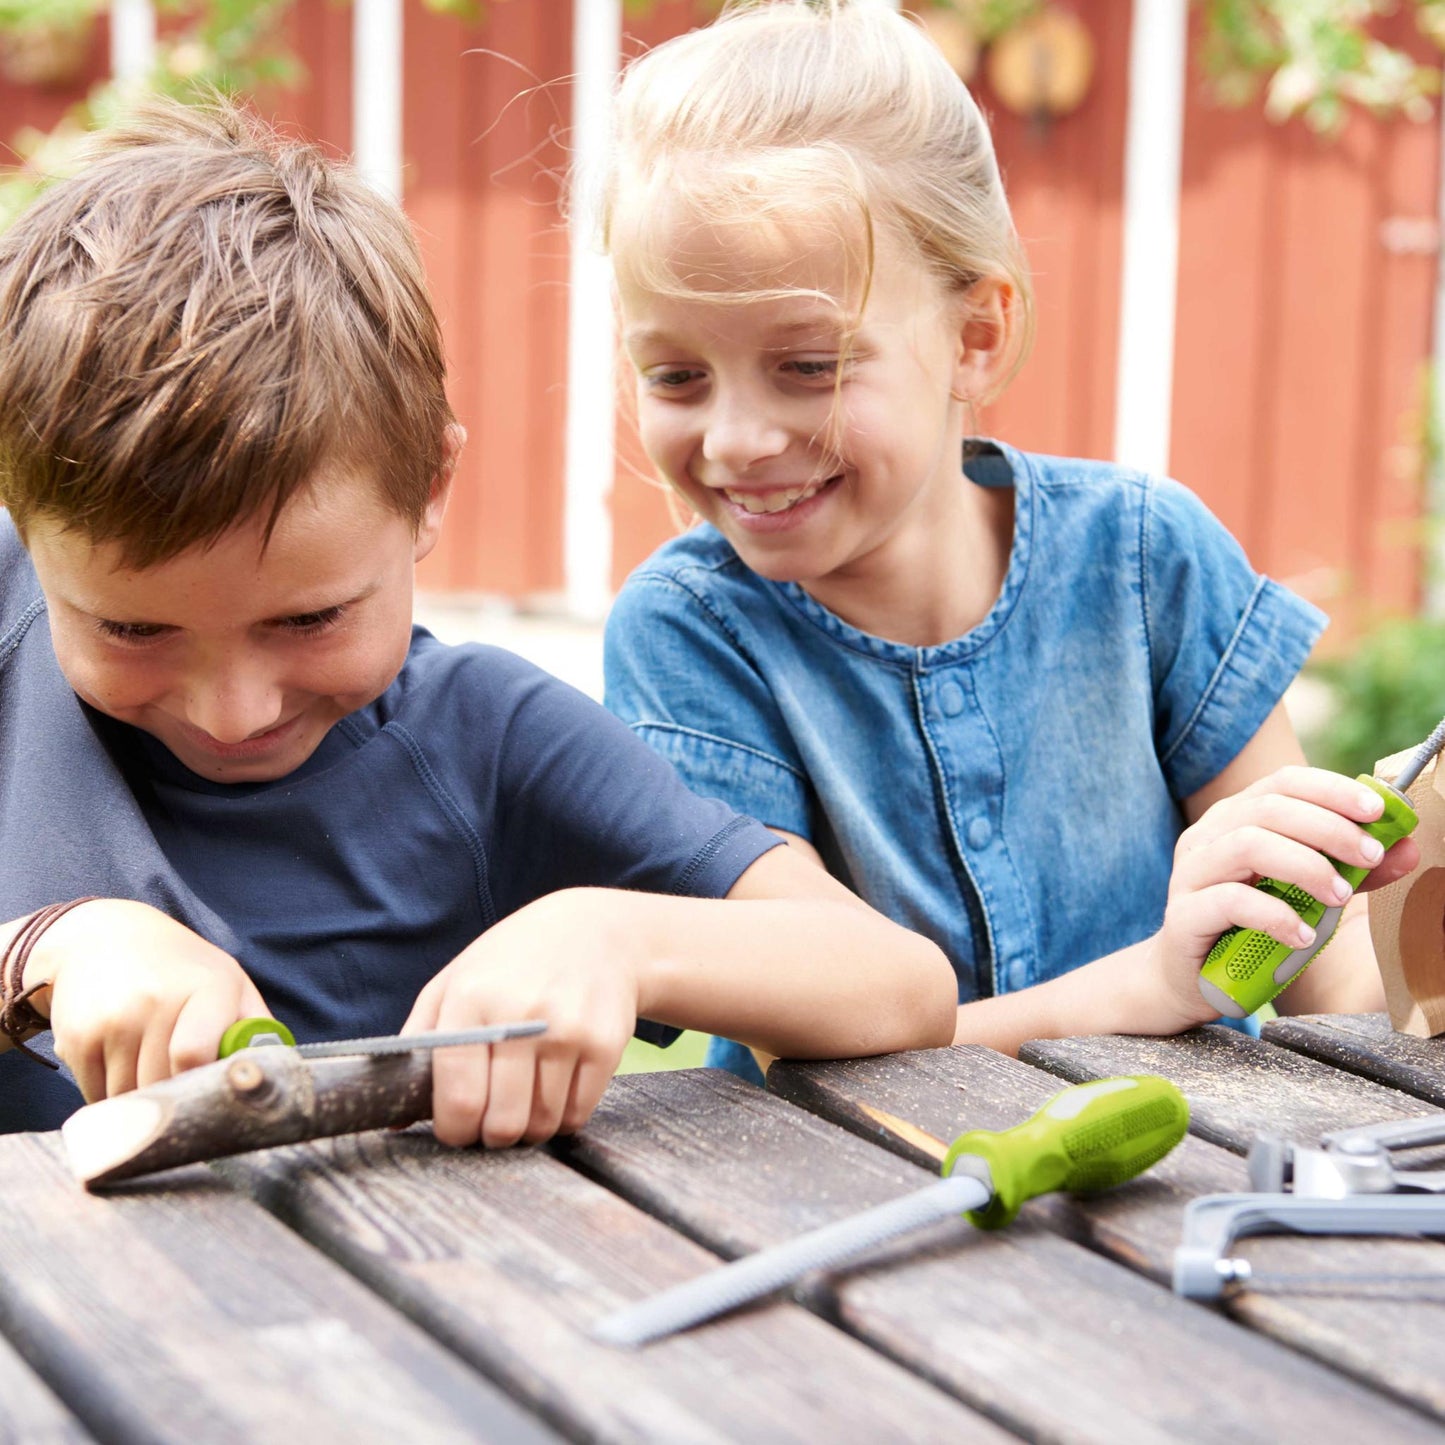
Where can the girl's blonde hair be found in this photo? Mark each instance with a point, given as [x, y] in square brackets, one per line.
[786, 113]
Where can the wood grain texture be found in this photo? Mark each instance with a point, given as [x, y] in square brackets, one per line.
[179, 1311]
[1238, 1087]
[1051, 1340]
[31, 1414]
[1365, 1044]
[1381, 1332]
[949, 1091]
[509, 1258]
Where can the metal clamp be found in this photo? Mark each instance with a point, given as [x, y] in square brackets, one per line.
[1203, 1268]
[1347, 1185]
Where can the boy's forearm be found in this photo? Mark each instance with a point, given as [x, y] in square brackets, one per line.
[798, 978]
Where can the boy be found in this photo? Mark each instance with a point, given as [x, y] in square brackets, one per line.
[224, 444]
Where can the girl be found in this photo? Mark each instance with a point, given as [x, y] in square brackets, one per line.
[1031, 708]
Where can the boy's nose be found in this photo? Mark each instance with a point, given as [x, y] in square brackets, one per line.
[739, 436]
[232, 708]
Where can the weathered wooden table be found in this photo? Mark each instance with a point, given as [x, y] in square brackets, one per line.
[379, 1287]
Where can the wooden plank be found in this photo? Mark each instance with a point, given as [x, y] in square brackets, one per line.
[509, 1258]
[946, 1091]
[31, 1413]
[176, 1310]
[1238, 1087]
[1025, 1325]
[1365, 1044]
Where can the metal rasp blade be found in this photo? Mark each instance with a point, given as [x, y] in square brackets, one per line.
[406, 1043]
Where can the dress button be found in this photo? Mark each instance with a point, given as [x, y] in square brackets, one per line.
[950, 699]
[979, 832]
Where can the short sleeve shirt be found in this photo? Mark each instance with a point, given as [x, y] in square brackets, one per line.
[475, 784]
[1015, 793]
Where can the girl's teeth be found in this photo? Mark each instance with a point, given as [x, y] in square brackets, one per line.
[756, 502]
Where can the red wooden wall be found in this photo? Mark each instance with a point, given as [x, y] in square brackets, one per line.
[1303, 329]
[1302, 343]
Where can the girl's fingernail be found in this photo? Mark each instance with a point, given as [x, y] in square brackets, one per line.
[1371, 802]
[1372, 849]
[1305, 934]
[1342, 890]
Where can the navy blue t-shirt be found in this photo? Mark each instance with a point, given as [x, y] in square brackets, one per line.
[474, 785]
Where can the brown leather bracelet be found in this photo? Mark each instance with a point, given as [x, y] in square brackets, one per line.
[18, 1016]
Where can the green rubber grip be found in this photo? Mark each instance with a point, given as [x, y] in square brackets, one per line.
[1088, 1137]
[1246, 968]
[240, 1034]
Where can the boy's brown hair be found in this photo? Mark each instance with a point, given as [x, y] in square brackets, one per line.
[199, 320]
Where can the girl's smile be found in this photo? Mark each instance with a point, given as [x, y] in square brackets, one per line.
[822, 441]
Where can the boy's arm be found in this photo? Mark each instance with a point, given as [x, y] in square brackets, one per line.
[806, 969]
[132, 996]
[1266, 814]
[789, 961]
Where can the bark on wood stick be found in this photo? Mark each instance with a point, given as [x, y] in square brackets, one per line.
[256, 1099]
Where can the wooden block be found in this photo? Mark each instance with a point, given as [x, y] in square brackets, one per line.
[1407, 919]
[511, 1257]
[177, 1310]
[1051, 1339]
[945, 1091]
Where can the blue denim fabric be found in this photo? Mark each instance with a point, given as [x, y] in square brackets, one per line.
[1013, 794]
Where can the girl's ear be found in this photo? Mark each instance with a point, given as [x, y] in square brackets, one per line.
[453, 439]
[988, 316]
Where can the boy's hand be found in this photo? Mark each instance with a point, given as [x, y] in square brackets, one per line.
[134, 996]
[568, 958]
[1278, 827]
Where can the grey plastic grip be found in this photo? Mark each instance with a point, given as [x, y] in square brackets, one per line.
[696, 1300]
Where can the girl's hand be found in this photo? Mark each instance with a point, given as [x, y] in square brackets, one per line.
[569, 958]
[1278, 827]
[134, 996]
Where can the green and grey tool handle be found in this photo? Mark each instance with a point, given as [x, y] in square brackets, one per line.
[1088, 1137]
[1246, 968]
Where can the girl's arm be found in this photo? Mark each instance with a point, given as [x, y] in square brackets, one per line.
[1266, 814]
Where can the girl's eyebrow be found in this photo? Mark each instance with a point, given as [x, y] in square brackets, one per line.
[825, 323]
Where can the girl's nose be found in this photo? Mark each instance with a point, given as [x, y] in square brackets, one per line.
[741, 434]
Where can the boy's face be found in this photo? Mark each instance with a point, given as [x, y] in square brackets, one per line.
[240, 657]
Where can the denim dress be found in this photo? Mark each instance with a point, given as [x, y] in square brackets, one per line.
[1014, 794]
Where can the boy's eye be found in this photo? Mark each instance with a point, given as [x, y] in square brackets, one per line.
[308, 622]
[128, 631]
[672, 378]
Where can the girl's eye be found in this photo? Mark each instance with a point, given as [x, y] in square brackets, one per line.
[128, 631]
[307, 623]
[815, 368]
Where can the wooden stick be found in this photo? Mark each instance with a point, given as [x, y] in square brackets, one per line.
[256, 1099]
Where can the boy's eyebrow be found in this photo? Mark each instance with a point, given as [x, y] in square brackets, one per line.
[92, 608]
